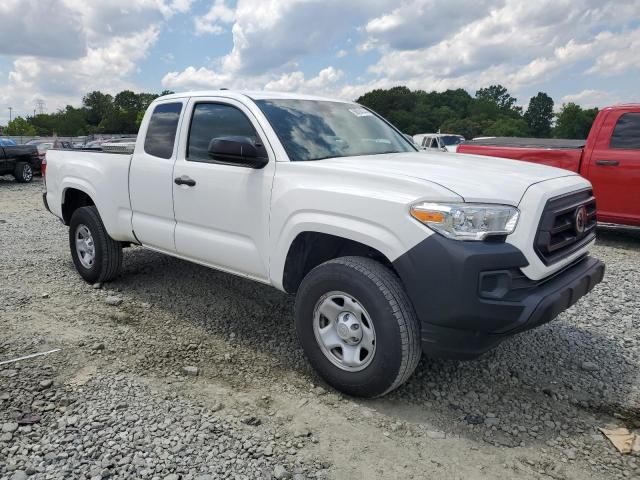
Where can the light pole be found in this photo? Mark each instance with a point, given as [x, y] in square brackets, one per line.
[10, 109]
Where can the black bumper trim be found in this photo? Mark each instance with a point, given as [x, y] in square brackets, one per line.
[458, 320]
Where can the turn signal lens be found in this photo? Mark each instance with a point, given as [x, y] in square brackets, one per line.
[427, 216]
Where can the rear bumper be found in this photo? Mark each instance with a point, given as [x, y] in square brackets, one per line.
[472, 296]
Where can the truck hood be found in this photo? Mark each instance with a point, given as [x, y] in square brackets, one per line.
[475, 178]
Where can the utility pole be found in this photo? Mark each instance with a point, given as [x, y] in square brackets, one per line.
[10, 110]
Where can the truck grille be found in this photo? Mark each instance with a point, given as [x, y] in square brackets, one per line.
[568, 223]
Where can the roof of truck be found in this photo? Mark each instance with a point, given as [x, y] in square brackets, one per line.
[254, 95]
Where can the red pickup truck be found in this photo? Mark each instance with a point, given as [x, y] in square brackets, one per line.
[609, 158]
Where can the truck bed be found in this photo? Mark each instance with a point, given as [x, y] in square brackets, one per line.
[521, 142]
[559, 153]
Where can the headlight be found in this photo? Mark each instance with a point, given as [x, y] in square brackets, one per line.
[467, 221]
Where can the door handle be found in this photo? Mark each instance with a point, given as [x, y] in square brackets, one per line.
[184, 180]
[608, 163]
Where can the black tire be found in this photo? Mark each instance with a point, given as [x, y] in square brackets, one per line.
[23, 172]
[397, 332]
[108, 252]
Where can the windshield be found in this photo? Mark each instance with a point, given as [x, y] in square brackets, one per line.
[452, 139]
[313, 129]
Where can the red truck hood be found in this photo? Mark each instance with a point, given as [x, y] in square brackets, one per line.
[473, 177]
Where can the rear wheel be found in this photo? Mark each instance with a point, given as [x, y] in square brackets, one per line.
[357, 326]
[23, 172]
[96, 256]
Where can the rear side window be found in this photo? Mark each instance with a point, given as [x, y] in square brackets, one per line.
[627, 132]
[161, 133]
[214, 120]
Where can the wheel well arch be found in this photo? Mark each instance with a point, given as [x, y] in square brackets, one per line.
[310, 249]
[72, 200]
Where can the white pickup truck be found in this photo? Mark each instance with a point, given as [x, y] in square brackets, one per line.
[390, 252]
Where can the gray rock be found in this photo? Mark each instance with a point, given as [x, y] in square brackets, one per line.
[570, 453]
[6, 437]
[120, 317]
[280, 473]
[113, 300]
[191, 371]
[589, 366]
[9, 427]
[172, 476]
[97, 347]
[436, 435]
[19, 475]
[46, 383]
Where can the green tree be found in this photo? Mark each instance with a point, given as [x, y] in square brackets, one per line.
[574, 122]
[462, 126]
[20, 126]
[98, 105]
[507, 127]
[498, 95]
[539, 115]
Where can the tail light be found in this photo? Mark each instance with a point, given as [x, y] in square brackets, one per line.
[43, 168]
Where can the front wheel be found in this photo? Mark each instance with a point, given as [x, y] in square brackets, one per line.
[357, 326]
[23, 172]
[96, 256]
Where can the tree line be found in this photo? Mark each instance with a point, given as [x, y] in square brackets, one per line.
[99, 113]
[493, 111]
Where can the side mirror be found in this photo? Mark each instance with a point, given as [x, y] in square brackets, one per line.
[238, 151]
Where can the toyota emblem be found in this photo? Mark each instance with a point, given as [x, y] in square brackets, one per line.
[581, 220]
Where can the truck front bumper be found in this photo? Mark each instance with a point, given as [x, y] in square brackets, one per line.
[470, 296]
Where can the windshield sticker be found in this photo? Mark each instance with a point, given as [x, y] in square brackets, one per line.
[361, 112]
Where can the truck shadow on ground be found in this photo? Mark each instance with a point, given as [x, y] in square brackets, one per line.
[532, 387]
[629, 239]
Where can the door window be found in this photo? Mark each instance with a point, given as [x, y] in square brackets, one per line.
[161, 132]
[215, 120]
[626, 134]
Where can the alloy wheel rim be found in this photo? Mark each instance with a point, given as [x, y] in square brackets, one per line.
[344, 331]
[85, 247]
[27, 173]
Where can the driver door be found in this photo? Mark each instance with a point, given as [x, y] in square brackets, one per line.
[222, 212]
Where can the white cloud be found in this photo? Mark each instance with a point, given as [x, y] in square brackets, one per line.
[591, 98]
[296, 82]
[618, 53]
[217, 14]
[420, 23]
[270, 34]
[278, 44]
[23, 30]
[99, 50]
[517, 44]
[203, 78]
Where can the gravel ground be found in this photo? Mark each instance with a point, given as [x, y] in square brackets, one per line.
[176, 371]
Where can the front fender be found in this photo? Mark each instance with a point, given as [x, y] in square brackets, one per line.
[391, 242]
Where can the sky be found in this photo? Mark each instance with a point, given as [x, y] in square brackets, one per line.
[583, 51]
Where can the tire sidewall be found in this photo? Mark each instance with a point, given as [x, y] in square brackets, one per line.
[83, 217]
[378, 376]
